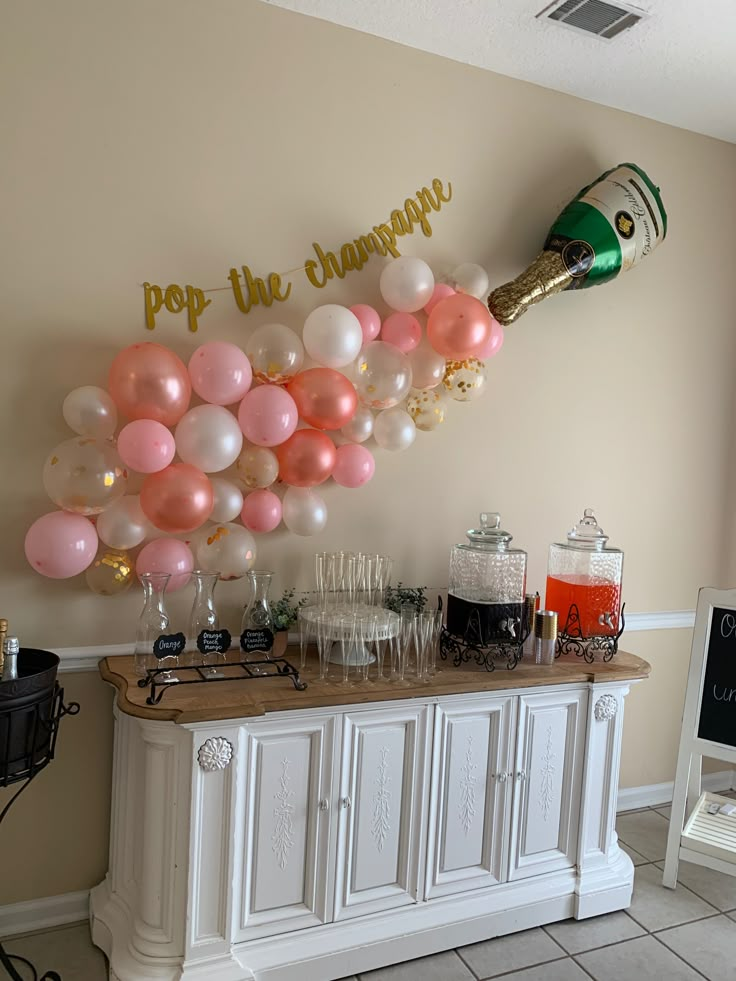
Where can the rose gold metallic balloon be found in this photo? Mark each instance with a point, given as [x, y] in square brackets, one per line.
[325, 398]
[306, 459]
[459, 326]
[177, 499]
[148, 381]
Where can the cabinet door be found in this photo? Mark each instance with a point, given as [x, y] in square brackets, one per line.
[382, 804]
[547, 782]
[288, 875]
[471, 794]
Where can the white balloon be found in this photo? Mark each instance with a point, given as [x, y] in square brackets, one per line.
[124, 525]
[228, 500]
[332, 335]
[471, 278]
[226, 548]
[394, 429]
[407, 284]
[304, 511]
[360, 427]
[209, 437]
[90, 411]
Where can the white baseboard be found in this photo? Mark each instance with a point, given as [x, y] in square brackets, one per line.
[42, 914]
[631, 798]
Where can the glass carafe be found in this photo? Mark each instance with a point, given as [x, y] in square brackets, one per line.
[203, 617]
[485, 601]
[152, 623]
[256, 638]
[584, 581]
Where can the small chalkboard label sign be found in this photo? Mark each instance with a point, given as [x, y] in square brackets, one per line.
[717, 718]
[169, 645]
[256, 640]
[214, 641]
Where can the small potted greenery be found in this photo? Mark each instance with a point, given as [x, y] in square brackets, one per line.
[285, 613]
[401, 595]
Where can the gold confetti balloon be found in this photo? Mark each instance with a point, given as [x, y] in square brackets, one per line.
[428, 408]
[84, 475]
[465, 380]
[111, 573]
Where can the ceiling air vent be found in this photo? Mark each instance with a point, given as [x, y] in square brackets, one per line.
[606, 20]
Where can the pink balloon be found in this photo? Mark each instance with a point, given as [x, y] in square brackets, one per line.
[493, 344]
[402, 330]
[458, 326]
[148, 381]
[370, 322]
[261, 511]
[146, 446]
[61, 544]
[167, 555]
[440, 292]
[220, 372]
[268, 415]
[354, 465]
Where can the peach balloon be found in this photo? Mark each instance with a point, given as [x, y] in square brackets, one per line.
[325, 398]
[459, 326]
[167, 555]
[177, 499]
[148, 381]
[354, 466]
[306, 459]
[261, 511]
[440, 292]
[493, 344]
[402, 330]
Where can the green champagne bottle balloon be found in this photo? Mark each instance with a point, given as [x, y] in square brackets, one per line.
[608, 228]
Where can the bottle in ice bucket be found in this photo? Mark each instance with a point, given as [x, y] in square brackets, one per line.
[485, 601]
[584, 581]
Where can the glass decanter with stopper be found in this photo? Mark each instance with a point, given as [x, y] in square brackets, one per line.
[257, 627]
[584, 581]
[203, 618]
[485, 601]
[152, 624]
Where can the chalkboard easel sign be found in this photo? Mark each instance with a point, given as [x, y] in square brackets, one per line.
[709, 716]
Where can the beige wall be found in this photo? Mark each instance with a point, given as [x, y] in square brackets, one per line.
[170, 141]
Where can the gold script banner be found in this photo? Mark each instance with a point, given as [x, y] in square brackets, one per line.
[250, 291]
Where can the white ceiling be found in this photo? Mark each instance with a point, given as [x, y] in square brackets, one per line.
[677, 65]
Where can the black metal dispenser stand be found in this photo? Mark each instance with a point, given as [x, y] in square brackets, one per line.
[29, 724]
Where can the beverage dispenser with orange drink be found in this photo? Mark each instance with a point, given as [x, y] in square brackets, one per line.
[584, 587]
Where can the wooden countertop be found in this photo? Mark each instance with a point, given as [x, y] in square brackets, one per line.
[246, 699]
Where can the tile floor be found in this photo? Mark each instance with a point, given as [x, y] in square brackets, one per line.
[685, 935]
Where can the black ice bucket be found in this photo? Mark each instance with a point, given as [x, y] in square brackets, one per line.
[30, 709]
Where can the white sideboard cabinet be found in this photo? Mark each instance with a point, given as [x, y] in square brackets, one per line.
[307, 842]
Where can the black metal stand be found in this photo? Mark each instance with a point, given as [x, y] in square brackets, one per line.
[41, 724]
[487, 650]
[571, 640]
[197, 674]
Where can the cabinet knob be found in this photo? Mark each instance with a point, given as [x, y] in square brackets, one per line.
[521, 775]
[324, 804]
[502, 777]
[345, 802]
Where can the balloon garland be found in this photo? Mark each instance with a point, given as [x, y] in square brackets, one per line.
[209, 471]
[403, 379]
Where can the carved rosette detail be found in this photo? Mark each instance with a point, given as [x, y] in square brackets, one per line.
[547, 773]
[467, 788]
[606, 708]
[283, 834]
[380, 824]
[215, 753]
